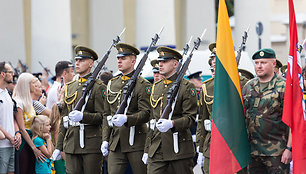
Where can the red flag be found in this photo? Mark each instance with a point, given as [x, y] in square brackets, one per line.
[294, 103]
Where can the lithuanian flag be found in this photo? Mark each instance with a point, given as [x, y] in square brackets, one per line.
[229, 148]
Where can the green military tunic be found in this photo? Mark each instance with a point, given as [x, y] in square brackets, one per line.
[69, 139]
[138, 114]
[268, 135]
[160, 146]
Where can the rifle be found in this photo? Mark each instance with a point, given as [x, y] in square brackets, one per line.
[80, 106]
[302, 46]
[186, 48]
[17, 72]
[173, 91]
[242, 45]
[24, 67]
[45, 68]
[129, 87]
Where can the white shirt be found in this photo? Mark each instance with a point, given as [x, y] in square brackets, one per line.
[52, 94]
[6, 116]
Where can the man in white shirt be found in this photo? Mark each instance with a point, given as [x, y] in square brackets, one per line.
[12, 138]
[63, 69]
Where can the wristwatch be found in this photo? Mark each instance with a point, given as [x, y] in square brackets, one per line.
[289, 148]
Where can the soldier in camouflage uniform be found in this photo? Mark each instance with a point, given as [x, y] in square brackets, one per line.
[263, 100]
[205, 113]
[170, 146]
[80, 132]
[124, 134]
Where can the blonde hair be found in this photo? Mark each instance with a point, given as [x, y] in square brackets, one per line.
[38, 124]
[22, 91]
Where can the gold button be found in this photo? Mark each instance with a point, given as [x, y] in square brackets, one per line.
[122, 82]
[166, 86]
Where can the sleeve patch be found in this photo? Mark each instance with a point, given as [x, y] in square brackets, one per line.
[104, 93]
[148, 90]
[192, 91]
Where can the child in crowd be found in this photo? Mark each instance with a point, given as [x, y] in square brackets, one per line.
[42, 140]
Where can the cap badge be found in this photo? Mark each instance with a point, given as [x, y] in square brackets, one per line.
[261, 54]
[162, 53]
[120, 50]
[79, 52]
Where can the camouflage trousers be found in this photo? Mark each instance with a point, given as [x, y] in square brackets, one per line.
[268, 165]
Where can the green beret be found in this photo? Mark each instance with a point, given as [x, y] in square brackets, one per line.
[126, 50]
[83, 52]
[166, 53]
[264, 53]
[155, 65]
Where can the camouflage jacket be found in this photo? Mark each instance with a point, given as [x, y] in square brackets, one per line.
[267, 133]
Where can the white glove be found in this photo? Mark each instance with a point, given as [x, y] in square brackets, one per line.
[163, 125]
[75, 116]
[56, 155]
[145, 158]
[194, 138]
[104, 148]
[200, 160]
[207, 124]
[119, 119]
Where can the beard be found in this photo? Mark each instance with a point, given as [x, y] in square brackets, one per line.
[8, 81]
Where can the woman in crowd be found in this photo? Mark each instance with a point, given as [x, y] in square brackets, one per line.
[25, 159]
[39, 99]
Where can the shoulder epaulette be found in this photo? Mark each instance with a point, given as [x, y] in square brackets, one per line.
[71, 82]
[157, 81]
[116, 77]
[208, 80]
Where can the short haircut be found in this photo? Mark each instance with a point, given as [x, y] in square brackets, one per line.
[61, 66]
[106, 76]
[2, 67]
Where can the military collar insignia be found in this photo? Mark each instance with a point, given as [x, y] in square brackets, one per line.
[81, 79]
[166, 81]
[125, 77]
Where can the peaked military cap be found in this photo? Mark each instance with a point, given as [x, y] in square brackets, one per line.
[196, 75]
[278, 64]
[166, 53]
[38, 75]
[126, 50]
[155, 65]
[213, 48]
[264, 53]
[83, 52]
[284, 69]
[246, 73]
[15, 78]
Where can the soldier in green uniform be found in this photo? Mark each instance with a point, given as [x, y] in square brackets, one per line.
[205, 113]
[156, 75]
[80, 132]
[124, 134]
[170, 143]
[263, 100]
